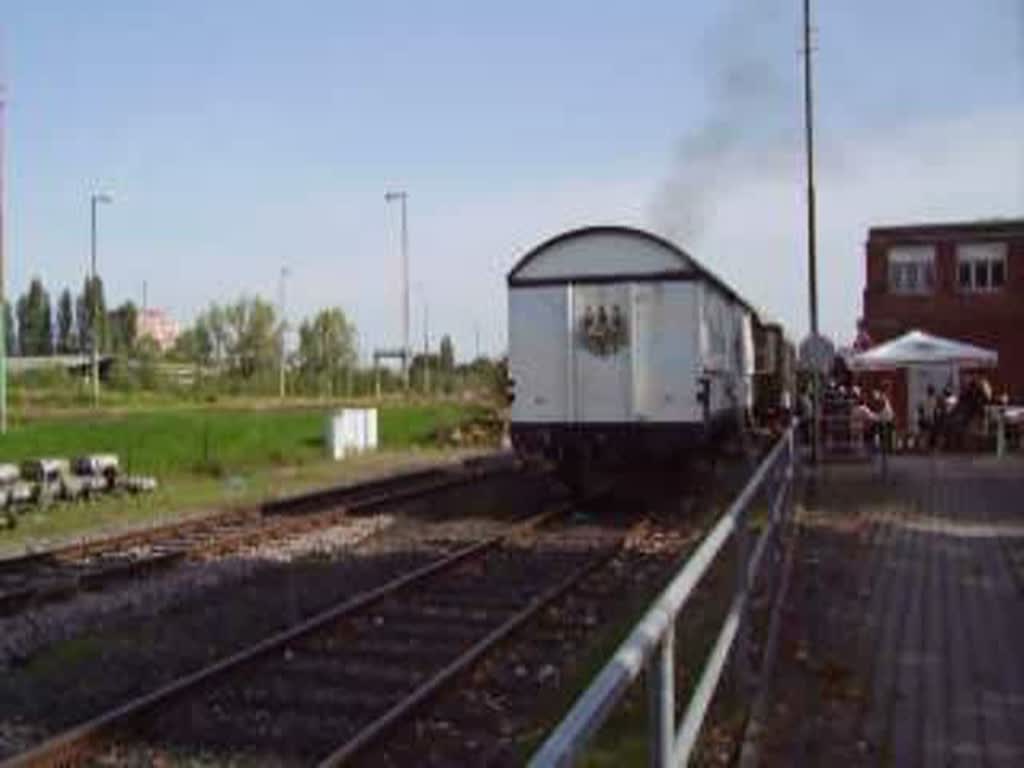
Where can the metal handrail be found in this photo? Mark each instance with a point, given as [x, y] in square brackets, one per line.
[651, 644]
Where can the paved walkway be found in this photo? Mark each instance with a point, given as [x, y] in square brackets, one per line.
[903, 639]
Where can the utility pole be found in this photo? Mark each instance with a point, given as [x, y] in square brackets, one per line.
[403, 196]
[354, 360]
[284, 329]
[94, 199]
[144, 297]
[3, 299]
[426, 348]
[376, 376]
[325, 359]
[812, 256]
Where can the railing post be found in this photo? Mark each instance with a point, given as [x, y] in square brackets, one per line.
[650, 648]
[791, 470]
[786, 488]
[742, 655]
[661, 711]
[776, 515]
[794, 470]
[1001, 433]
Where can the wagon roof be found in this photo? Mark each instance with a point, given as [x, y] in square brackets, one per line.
[675, 263]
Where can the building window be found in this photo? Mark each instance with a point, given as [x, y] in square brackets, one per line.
[912, 269]
[981, 266]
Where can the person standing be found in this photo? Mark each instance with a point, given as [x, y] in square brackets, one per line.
[887, 418]
[924, 426]
[937, 409]
[926, 417]
[884, 417]
[862, 420]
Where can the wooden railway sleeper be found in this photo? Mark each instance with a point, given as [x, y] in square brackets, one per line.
[463, 663]
[73, 745]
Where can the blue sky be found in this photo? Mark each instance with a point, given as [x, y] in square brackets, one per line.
[237, 137]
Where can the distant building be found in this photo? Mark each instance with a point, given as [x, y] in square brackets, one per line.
[959, 280]
[159, 326]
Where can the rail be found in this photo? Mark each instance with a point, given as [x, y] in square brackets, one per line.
[61, 572]
[71, 747]
[650, 647]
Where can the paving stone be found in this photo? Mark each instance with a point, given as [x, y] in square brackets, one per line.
[904, 640]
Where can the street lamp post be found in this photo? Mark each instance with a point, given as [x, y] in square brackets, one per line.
[3, 306]
[95, 199]
[421, 293]
[426, 347]
[812, 256]
[402, 196]
[284, 330]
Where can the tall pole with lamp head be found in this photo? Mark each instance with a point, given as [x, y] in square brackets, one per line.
[284, 329]
[95, 199]
[402, 196]
[812, 262]
[3, 300]
[812, 259]
[426, 347]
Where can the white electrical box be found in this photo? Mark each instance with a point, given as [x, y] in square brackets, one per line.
[351, 431]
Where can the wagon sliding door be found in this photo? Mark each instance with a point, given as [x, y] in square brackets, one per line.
[538, 354]
[664, 350]
[601, 365]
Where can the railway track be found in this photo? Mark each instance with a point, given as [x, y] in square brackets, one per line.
[328, 689]
[58, 574]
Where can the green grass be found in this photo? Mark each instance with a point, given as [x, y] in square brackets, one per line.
[29, 402]
[206, 441]
[185, 495]
[623, 738]
[622, 741]
[209, 459]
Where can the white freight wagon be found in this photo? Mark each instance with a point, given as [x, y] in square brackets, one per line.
[623, 350]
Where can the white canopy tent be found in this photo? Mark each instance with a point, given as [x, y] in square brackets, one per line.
[929, 361]
[917, 348]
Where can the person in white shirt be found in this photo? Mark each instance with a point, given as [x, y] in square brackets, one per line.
[885, 416]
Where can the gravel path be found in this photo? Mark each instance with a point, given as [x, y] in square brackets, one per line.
[70, 663]
[22, 635]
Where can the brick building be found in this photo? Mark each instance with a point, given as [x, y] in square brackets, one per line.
[960, 280]
[159, 326]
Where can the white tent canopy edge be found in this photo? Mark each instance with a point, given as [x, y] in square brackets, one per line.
[916, 348]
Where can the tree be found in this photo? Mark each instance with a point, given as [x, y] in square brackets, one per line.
[447, 354]
[122, 325]
[249, 328]
[240, 338]
[193, 345]
[326, 347]
[147, 353]
[91, 304]
[9, 333]
[210, 343]
[486, 376]
[66, 341]
[423, 367]
[35, 326]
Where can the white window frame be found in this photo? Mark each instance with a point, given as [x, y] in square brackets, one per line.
[910, 269]
[976, 254]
